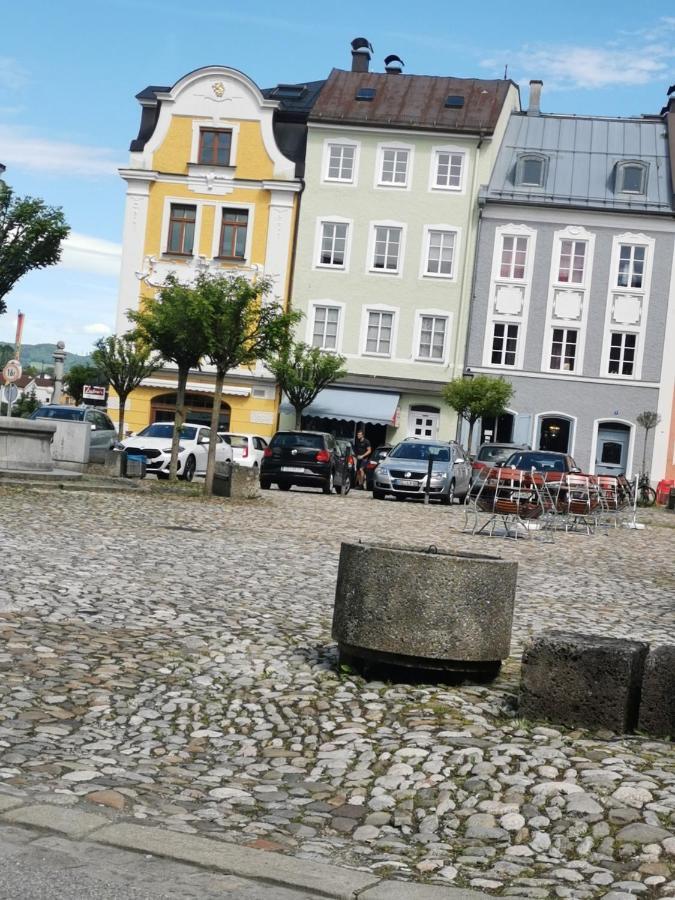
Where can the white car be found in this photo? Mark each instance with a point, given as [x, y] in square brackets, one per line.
[154, 442]
[247, 449]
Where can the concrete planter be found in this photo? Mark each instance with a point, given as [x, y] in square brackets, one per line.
[25, 445]
[424, 608]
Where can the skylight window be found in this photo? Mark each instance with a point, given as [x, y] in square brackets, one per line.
[290, 91]
[454, 101]
[631, 177]
[531, 170]
[365, 94]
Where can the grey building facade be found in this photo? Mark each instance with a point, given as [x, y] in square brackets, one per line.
[573, 282]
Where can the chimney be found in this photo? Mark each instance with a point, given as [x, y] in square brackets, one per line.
[534, 109]
[393, 64]
[361, 53]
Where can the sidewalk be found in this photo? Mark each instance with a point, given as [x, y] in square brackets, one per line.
[35, 867]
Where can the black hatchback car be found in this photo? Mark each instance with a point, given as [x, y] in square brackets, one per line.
[306, 459]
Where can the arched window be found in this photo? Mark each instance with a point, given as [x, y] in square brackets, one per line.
[198, 409]
[631, 177]
[531, 170]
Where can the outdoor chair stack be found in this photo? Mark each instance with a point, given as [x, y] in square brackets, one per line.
[508, 499]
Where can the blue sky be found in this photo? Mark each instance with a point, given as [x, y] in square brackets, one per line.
[69, 72]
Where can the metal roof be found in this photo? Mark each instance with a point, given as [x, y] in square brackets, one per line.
[581, 155]
[411, 101]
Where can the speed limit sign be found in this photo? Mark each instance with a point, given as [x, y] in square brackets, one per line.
[12, 371]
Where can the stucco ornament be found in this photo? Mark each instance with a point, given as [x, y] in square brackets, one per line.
[218, 89]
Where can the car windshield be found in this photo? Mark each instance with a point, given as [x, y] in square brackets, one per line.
[70, 414]
[541, 462]
[494, 453]
[315, 441]
[165, 430]
[421, 452]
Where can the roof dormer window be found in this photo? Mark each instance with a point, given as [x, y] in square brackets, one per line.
[531, 170]
[631, 177]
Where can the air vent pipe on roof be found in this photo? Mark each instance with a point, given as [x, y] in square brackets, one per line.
[361, 52]
[393, 64]
[534, 109]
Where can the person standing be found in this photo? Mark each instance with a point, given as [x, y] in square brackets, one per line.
[363, 450]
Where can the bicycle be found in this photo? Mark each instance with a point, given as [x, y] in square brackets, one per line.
[646, 493]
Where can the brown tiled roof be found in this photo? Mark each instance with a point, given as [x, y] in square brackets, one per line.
[411, 101]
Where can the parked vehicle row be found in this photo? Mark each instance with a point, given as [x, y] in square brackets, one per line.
[154, 442]
[305, 458]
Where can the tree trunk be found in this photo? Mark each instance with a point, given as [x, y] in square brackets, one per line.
[178, 422]
[298, 418]
[215, 419]
[472, 422]
[120, 427]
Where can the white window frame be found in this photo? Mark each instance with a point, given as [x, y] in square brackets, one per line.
[379, 308]
[166, 220]
[209, 125]
[426, 246]
[217, 225]
[631, 268]
[624, 333]
[619, 176]
[387, 185]
[642, 293]
[505, 325]
[523, 158]
[417, 339]
[311, 320]
[571, 233]
[560, 326]
[326, 161]
[433, 170]
[510, 229]
[515, 238]
[370, 260]
[318, 237]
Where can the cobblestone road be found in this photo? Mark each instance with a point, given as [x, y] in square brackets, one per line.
[171, 659]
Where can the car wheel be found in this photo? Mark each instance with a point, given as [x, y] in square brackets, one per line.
[284, 487]
[329, 484]
[189, 470]
[378, 495]
[448, 499]
[265, 484]
[343, 488]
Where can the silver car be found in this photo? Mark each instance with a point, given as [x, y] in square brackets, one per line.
[404, 471]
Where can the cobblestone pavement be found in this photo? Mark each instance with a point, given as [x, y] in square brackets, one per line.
[170, 659]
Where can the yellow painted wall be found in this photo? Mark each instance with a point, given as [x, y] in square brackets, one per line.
[252, 160]
[138, 413]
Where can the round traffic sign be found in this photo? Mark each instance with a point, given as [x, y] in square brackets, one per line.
[12, 371]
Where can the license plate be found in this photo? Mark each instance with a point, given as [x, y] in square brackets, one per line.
[292, 469]
[408, 482]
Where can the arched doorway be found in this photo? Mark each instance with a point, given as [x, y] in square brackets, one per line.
[197, 406]
[555, 433]
[612, 446]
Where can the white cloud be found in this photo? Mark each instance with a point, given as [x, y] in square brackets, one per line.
[26, 151]
[97, 328]
[91, 254]
[12, 76]
[627, 60]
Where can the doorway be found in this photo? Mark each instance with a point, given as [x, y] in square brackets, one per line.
[497, 429]
[611, 455]
[554, 434]
[423, 422]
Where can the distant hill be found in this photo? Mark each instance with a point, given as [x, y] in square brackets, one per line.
[39, 355]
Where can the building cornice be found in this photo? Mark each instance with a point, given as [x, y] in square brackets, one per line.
[584, 379]
[468, 136]
[148, 175]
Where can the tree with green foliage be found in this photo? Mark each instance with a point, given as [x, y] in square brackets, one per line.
[480, 395]
[25, 405]
[6, 353]
[76, 378]
[243, 329]
[31, 235]
[648, 419]
[175, 324]
[124, 363]
[303, 371]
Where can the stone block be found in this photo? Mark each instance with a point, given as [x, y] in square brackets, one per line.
[579, 679]
[410, 606]
[657, 703]
[71, 444]
[26, 444]
[245, 483]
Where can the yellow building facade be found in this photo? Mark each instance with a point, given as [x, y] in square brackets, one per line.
[208, 190]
